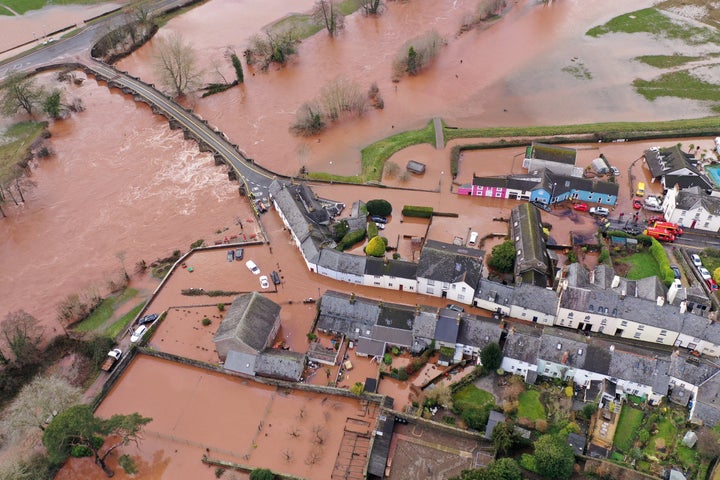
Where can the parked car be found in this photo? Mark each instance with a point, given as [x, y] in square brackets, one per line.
[456, 308]
[656, 218]
[637, 204]
[230, 255]
[602, 211]
[676, 270]
[615, 171]
[147, 319]
[381, 226]
[696, 260]
[252, 267]
[275, 277]
[264, 282]
[580, 207]
[239, 253]
[262, 208]
[704, 273]
[138, 333]
[378, 219]
[712, 284]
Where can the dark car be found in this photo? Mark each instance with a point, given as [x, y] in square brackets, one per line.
[261, 206]
[275, 277]
[378, 219]
[455, 308]
[676, 270]
[239, 253]
[148, 319]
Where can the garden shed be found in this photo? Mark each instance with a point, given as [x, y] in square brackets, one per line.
[415, 167]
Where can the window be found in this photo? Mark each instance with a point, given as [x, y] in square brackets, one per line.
[499, 194]
[637, 335]
[663, 332]
[641, 327]
[431, 283]
[603, 321]
[463, 289]
[587, 317]
[707, 224]
[591, 308]
[430, 291]
[570, 315]
[659, 340]
[623, 323]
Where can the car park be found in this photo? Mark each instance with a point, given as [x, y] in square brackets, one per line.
[696, 260]
[252, 267]
[378, 219]
[264, 282]
[580, 207]
[455, 308]
[602, 211]
[138, 333]
[147, 319]
[676, 270]
[239, 253]
[275, 277]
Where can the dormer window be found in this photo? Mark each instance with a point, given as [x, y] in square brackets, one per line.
[591, 308]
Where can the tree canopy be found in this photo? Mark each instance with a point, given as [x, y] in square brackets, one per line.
[176, 64]
[19, 92]
[375, 247]
[554, 457]
[502, 257]
[491, 356]
[379, 207]
[78, 428]
[500, 469]
[262, 474]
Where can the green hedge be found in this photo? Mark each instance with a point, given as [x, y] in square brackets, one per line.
[350, 239]
[372, 230]
[658, 252]
[417, 211]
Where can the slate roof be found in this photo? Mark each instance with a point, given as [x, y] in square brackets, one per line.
[240, 362]
[393, 268]
[667, 161]
[707, 402]
[370, 347]
[526, 232]
[280, 364]
[577, 442]
[493, 420]
[694, 374]
[523, 344]
[535, 298]
[552, 153]
[577, 275]
[478, 331]
[338, 314]
[563, 348]
[499, 181]
[445, 262]
[249, 320]
[562, 184]
[495, 292]
[313, 208]
[447, 326]
[381, 446]
[342, 262]
[393, 336]
[602, 276]
[687, 200]
[523, 182]
[424, 324]
[637, 368]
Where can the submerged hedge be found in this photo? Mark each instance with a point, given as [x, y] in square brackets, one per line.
[417, 211]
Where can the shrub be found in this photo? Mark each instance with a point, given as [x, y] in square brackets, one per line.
[238, 68]
[221, 307]
[196, 244]
[206, 321]
[375, 247]
[262, 474]
[527, 462]
[379, 207]
[502, 258]
[402, 375]
[340, 229]
[449, 419]
[79, 451]
[350, 239]
[417, 211]
[387, 359]
[416, 54]
[342, 96]
[658, 253]
[541, 425]
[273, 47]
[491, 356]
[308, 120]
[395, 351]
[372, 230]
[311, 336]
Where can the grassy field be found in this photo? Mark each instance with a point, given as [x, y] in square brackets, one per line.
[304, 26]
[630, 420]
[22, 6]
[681, 84]
[104, 311]
[642, 265]
[530, 406]
[665, 430]
[471, 397]
[114, 330]
[666, 61]
[711, 259]
[654, 22]
[15, 144]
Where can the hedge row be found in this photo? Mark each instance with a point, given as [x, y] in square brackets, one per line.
[350, 239]
[417, 211]
[658, 253]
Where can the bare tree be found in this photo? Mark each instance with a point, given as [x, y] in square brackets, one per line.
[176, 64]
[391, 169]
[342, 96]
[371, 7]
[308, 120]
[294, 432]
[37, 403]
[287, 455]
[273, 47]
[320, 434]
[326, 13]
[19, 92]
[314, 456]
[22, 334]
[121, 256]
[417, 53]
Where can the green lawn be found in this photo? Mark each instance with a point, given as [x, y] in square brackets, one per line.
[711, 259]
[114, 330]
[22, 6]
[666, 61]
[104, 311]
[642, 265]
[530, 406]
[665, 430]
[681, 84]
[653, 21]
[630, 420]
[15, 143]
[472, 397]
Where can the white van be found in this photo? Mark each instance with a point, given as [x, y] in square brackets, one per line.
[473, 239]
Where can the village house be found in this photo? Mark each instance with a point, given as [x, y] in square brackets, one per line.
[671, 166]
[521, 351]
[391, 274]
[692, 208]
[560, 160]
[250, 325]
[449, 271]
[532, 263]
